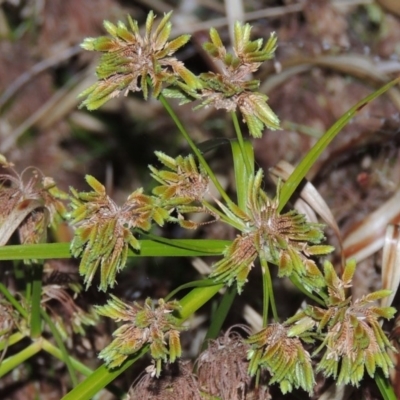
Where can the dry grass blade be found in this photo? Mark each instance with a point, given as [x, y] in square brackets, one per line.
[367, 237]
[334, 392]
[252, 318]
[310, 195]
[60, 104]
[40, 67]
[270, 12]
[13, 220]
[361, 67]
[391, 263]
[201, 266]
[234, 12]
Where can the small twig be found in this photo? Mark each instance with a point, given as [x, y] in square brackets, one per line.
[12, 138]
[271, 12]
[220, 22]
[36, 70]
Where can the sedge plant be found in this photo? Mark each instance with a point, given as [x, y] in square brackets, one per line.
[332, 335]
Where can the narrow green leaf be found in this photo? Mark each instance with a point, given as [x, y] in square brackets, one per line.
[195, 299]
[218, 318]
[308, 161]
[190, 285]
[149, 248]
[16, 304]
[384, 386]
[242, 175]
[60, 344]
[100, 379]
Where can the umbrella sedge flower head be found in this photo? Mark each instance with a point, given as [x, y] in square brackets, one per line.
[287, 240]
[184, 183]
[130, 59]
[183, 187]
[103, 229]
[231, 89]
[151, 324]
[354, 341]
[238, 260]
[283, 355]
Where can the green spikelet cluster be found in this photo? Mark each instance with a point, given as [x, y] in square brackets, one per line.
[103, 232]
[129, 60]
[287, 240]
[151, 324]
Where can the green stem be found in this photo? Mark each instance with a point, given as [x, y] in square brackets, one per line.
[384, 386]
[194, 148]
[13, 301]
[222, 216]
[57, 353]
[63, 350]
[295, 280]
[83, 369]
[195, 299]
[267, 292]
[36, 322]
[12, 362]
[206, 249]
[100, 378]
[9, 341]
[190, 285]
[241, 141]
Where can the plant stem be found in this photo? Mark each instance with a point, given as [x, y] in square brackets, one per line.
[36, 322]
[190, 285]
[9, 341]
[188, 247]
[384, 386]
[57, 353]
[196, 299]
[220, 315]
[12, 300]
[222, 216]
[100, 378]
[83, 369]
[267, 292]
[294, 279]
[194, 148]
[241, 141]
[60, 344]
[13, 361]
